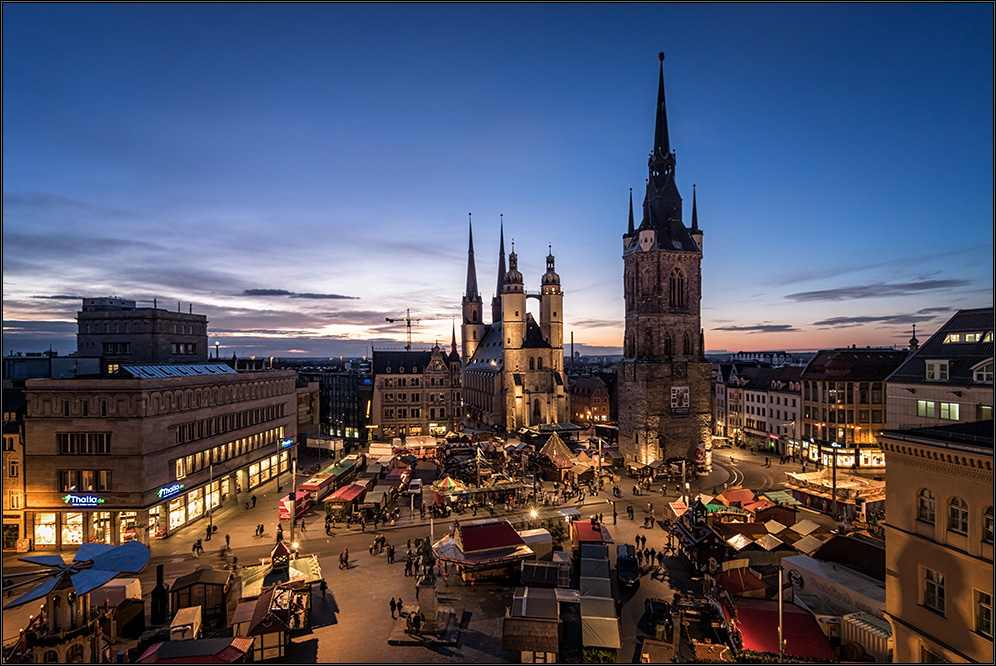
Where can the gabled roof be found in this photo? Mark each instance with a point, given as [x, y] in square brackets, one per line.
[963, 356]
[498, 534]
[852, 364]
[392, 362]
[490, 353]
[587, 386]
[200, 651]
[557, 452]
[201, 576]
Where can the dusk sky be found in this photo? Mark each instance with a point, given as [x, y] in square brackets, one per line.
[299, 173]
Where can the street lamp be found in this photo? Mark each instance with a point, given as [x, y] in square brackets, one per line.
[835, 446]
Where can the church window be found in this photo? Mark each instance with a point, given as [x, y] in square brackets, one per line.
[532, 363]
[686, 346]
[539, 363]
[676, 289]
[667, 345]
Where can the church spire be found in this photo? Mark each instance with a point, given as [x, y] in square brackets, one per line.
[496, 302]
[471, 294]
[662, 145]
[695, 211]
[630, 230]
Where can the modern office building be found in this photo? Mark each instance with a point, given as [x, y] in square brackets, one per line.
[939, 542]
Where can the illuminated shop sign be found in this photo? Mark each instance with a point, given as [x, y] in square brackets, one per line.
[286, 443]
[83, 500]
[170, 490]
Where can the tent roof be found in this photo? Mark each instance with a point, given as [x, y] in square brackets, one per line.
[600, 632]
[757, 620]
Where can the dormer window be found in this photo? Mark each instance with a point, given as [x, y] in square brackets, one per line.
[983, 373]
[937, 371]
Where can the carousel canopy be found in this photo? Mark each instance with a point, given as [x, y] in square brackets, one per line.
[448, 485]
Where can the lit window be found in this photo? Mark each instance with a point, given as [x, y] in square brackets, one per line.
[984, 613]
[952, 337]
[925, 506]
[923, 408]
[933, 590]
[958, 516]
[987, 525]
[949, 411]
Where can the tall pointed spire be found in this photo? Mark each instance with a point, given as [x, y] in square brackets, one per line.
[496, 301]
[471, 294]
[453, 347]
[630, 229]
[695, 211]
[662, 145]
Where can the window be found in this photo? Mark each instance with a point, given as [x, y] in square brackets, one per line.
[933, 590]
[180, 469]
[984, 613]
[925, 506]
[937, 371]
[984, 373]
[987, 525]
[958, 516]
[676, 289]
[84, 443]
[13, 470]
[949, 411]
[924, 408]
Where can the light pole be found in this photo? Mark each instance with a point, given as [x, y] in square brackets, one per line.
[293, 494]
[279, 445]
[210, 495]
[835, 446]
[781, 640]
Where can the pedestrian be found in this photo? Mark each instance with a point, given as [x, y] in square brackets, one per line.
[200, 546]
[247, 505]
[228, 541]
[253, 501]
[235, 563]
[401, 605]
[394, 607]
[207, 534]
[409, 545]
[193, 549]
[408, 568]
[328, 529]
[363, 524]
[639, 557]
[302, 525]
[323, 586]
[653, 555]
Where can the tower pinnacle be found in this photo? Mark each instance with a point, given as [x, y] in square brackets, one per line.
[472, 294]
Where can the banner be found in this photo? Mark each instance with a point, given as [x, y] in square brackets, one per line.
[679, 401]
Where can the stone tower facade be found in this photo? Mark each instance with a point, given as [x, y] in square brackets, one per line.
[664, 378]
[513, 368]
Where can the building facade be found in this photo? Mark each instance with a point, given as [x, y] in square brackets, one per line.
[150, 449]
[589, 401]
[513, 368]
[345, 402]
[119, 332]
[13, 470]
[939, 542]
[664, 377]
[416, 392]
[844, 405]
[947, 380]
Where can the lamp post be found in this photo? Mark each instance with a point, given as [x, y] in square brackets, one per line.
[293, 494]
[210, 495]
[835, 446]
[279, 444]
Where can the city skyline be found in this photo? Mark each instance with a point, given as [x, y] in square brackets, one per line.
[299, 174]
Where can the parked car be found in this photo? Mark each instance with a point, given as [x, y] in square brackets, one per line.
[627, 566]
[415, 487]
[658, 614]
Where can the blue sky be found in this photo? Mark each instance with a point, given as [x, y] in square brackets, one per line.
[299, 173]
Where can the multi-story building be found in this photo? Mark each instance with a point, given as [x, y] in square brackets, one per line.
[844, 404]
[589, 401]
[939, 542]
[734, 379]
[149, 449]
[416, 392]
[755, 404]
[513, 368]
[784, 411]
[664, 388]
[949, 379]
[345, 402]
[13, 469]
[119, 332]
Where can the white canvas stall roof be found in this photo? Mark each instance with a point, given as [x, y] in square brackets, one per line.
[596, 587]
[591, 568]
[804, 527]
[594, 551]
[535, 602]
[839, 575]
[773, 527]
[599, 625]
[807, 544]
[869, 623]
[769, 542]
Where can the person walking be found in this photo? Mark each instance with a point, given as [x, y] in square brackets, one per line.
[228, 541]
[253, 498]
[323, 586]
[394, 607]
[401, 605]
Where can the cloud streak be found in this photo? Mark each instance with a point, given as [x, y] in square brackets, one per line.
[876, 290]
[291, 294]
[759, 328]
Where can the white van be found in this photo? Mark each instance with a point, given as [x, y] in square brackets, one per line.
[415, 487]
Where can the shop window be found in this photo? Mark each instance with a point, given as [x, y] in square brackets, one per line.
[44, 529]
[72, 528]
[177, 513]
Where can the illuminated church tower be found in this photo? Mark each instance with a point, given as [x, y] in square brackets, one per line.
[664, 400]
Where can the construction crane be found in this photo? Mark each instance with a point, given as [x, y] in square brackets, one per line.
[408, 319]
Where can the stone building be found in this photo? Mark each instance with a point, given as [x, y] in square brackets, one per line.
[939, 542]
[947, 380]
[149, 449]
[589, 401]
[119, 332]
[843, 403]
[416, 392]
[664, 378]
[513, 368]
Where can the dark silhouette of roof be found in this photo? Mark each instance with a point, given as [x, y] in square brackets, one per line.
[962, 356]
[853, 364]
[862, 555]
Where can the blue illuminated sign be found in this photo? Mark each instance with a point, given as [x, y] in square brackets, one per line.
[167, 491]
[83, 500]
[286, 443]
